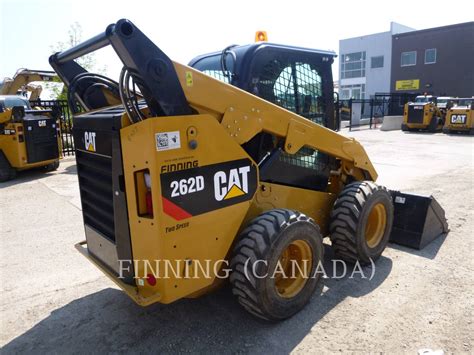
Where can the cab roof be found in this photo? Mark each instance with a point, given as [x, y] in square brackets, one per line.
[242, 50]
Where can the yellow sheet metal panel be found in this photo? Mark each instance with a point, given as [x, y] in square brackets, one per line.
[459, 119]
[316, 204]
[202, 185]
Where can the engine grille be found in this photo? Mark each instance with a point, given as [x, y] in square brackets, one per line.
[415, 115]
[95, 184]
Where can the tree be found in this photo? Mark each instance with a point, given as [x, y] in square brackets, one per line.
[88, 61]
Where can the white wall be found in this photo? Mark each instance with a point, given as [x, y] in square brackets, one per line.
[379, 44]
[377, 80]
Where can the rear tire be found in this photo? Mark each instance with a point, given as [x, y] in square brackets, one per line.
[361, 222]
[405, 127]
[446, 130]
[433, 126]
[53, 166]
[7, 172]
[277, 237]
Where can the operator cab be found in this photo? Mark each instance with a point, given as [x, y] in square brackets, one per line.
[444, 102]
[424, 99]
[297, 79]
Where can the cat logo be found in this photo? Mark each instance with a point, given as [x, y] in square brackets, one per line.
[231, 184]
[89, 141]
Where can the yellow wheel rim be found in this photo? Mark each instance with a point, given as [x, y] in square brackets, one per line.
[294, 268]
[375, 227]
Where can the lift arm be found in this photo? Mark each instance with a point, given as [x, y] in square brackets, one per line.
[172, 89]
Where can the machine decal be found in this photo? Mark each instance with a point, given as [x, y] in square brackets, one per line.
[189, 78]
[458, 119]
[167, 140]
[230, 185]
[89, 141]
[190, 192]
[42, 123]
[179, 166]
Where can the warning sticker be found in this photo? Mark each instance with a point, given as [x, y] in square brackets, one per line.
[167, 140]
[189, 78]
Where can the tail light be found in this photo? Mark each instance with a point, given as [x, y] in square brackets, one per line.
[148, 197]
[144, 193]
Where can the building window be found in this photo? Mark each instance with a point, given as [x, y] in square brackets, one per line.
[376, 62]
[408, 58]
[353, 65]
[356, 92]
[430, 56]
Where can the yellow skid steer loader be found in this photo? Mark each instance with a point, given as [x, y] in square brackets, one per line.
[185, 178]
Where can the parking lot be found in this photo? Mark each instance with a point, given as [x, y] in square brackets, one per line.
[54, 300]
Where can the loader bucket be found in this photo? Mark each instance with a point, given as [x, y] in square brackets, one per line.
[418, 220]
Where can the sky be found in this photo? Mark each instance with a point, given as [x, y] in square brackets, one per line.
[29, 29]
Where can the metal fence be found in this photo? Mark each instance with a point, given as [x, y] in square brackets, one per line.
[67, 140]
[367, 112]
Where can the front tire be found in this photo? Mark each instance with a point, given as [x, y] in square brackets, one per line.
[361, 222]
[273, 241]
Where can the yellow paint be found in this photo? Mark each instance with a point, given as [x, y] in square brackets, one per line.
[208, 236]
[234, 192]
[454, 125]
[413, 84]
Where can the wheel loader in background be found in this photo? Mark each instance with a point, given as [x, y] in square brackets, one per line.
[28, 138]
[423, 114]
[460, 117]
[244, 173]
[20, 84]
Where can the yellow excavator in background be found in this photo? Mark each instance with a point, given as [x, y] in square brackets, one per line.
[20, 84]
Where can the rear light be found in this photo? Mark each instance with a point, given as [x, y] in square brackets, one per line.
[148, 197]
[144, 193]
[21, 139]
[20, 128]
[151, 279]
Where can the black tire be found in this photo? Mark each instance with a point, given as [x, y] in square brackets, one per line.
[266, 238]
[53, 166]
[7, 172]
[433, 126]
[446, 130]
[349, 222]
[405, 127]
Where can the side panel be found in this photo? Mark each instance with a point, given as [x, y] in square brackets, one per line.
[202, 185]
[318, 205]
[459, 120]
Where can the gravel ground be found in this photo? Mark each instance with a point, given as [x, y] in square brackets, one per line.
[53, 300]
